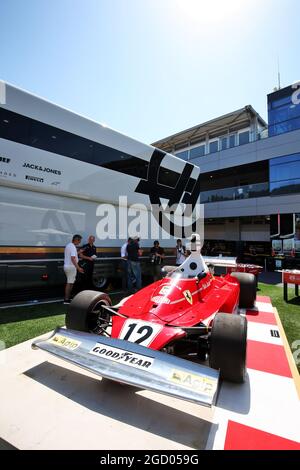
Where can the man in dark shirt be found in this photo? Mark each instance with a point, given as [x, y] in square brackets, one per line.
[133, 264]
[88, 253]
[157, 255]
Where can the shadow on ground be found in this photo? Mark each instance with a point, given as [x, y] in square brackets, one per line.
[124, 403]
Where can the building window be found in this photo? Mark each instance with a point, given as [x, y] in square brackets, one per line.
[232, 141]
[214, 146]
[224, 143]
[285, 174]
[244, 138]
[183, 155]
[284, 111]
[197, 152]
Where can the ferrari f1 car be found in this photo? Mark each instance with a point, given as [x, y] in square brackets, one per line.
[177, 336]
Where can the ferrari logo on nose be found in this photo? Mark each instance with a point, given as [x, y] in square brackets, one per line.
[188, 296]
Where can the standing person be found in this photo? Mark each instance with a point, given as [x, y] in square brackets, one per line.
[133, 263]
[89, 253]
[157, 255]
[71, 265]
[180, 252]
[124, 263]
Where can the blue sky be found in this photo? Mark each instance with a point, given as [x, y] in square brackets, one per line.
[150, 68]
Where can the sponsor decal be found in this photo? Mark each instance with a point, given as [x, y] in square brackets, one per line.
[64, 342]
[195, 382]
[140, 332]
[188, 296]
[165, 290]
[158, 299]
[4, 160]
[34, 178]
[205, 285]
[41, 168]
[6, 174]
[122, 356]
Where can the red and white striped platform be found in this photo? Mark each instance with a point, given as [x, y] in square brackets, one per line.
[263, 413]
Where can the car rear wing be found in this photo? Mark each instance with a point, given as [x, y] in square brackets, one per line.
[135, 365]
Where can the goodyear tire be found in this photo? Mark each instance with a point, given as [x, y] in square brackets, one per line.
[228, 345]
[85, 312]
[247, 289]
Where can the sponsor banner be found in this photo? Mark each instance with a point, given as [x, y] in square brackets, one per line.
[122, 356]
[291, 278]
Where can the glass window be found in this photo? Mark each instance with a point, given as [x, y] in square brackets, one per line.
[183, 155]
[285, 174]
[224, 143]
[244, 138]
[232, 141]
[22, 129]
[14, 127]
[283, 114]
[214, 146]
[197, 152]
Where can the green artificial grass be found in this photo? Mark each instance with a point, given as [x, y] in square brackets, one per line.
[19, 324]
[289, 312]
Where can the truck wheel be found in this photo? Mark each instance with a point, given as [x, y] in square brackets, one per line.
[247, 289]
[228, 345]
[100, 282]
[85, 312]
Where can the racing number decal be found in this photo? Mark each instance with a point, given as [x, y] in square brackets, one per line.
[139, 332]
[147, 329]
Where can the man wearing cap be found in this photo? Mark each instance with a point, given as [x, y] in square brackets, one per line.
[133, 264]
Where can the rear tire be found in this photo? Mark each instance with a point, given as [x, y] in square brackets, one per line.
[247, 283]
[85, 312]
[228, 345]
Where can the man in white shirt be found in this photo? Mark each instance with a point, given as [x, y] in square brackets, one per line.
[71, 265]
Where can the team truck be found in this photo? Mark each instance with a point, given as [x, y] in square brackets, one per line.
[61, 174]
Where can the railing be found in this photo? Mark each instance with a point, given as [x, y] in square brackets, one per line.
[236, 193]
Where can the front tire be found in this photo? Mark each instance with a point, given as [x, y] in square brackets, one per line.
[228, 345]
[247, 283]
[85, 312]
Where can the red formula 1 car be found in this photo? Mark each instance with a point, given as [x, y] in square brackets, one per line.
[146, 339]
